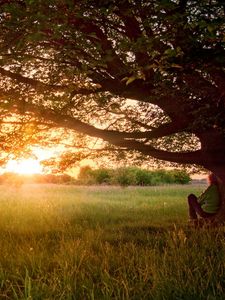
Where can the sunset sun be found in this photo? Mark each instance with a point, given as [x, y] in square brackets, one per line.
[24, 166]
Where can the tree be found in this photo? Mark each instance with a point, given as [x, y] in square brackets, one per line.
[144, 76]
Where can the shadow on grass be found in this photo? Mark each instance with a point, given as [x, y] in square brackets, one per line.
[140, 235]
[145, 229]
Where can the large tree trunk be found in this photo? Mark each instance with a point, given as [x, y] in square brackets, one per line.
[220, 217]
[213, 147]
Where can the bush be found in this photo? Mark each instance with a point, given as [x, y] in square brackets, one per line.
[171, 176]
[101, 176]
[12, 179]
[86, 175]
[144, 177]
[181, 177]
[132, 176]
[124, 176]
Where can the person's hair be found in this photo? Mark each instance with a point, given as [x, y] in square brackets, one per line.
[212, 179]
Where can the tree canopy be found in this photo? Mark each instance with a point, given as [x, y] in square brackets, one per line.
[144, 76]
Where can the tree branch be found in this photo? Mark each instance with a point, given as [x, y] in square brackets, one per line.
[118, 139]
[30, 81]
[194, 157]
[133, 32]
[75, 124]
[98, 38]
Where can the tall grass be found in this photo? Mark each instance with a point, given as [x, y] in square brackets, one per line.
[64, 242]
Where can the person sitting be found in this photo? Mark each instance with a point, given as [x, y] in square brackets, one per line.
[207, 204]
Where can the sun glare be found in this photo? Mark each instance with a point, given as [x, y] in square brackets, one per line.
[24, 166]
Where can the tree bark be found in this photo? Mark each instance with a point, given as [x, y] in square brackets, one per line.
[220, 217]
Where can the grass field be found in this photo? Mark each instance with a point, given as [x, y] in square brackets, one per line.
[65, 242]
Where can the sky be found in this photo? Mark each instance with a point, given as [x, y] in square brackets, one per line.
[33, 165]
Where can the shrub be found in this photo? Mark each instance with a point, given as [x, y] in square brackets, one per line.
[132, 176]
[181, 176]
[124, 176]
[85, 175]
[144, 177]
[101, 176]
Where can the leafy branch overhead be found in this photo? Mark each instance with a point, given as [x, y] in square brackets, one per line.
[145, 76]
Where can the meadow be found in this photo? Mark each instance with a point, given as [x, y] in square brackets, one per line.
[67, 242]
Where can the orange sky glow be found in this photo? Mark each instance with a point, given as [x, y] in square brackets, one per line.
[25, 166]
[29, 166]
[32, 165]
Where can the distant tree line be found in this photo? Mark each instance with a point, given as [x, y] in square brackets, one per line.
[87, 176]
[19, 179]
[131, 176]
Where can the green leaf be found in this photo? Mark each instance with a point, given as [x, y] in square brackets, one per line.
[210, 28]
[131, 79]
[176, 66]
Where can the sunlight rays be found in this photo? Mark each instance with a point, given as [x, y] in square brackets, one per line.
[25, 166]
